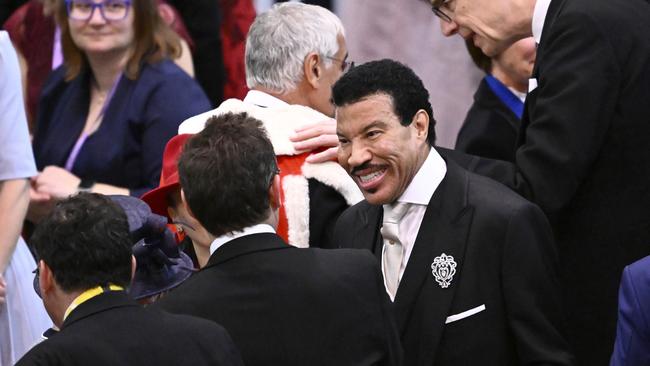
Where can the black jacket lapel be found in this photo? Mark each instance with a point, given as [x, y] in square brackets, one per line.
[444, 229]
[366, 234]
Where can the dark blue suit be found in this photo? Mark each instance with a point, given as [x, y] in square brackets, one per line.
[126, 150]
[632, 345]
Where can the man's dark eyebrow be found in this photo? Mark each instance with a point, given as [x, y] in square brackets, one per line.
[375, 124]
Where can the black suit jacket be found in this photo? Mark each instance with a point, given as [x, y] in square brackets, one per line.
[289, 306]
[326, 204]
[490, 128]
[506, 262]
[111, 329]
[583, 155]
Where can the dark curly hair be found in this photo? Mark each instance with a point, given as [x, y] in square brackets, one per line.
[226, 171]
[85, 241]
[393, 79]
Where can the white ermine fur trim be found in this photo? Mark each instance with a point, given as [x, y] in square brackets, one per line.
[333, 175]
[279, 122]
[296, 207]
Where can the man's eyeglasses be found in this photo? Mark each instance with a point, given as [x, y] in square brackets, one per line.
[345, 64]
[37, 287]
[436, 9]
[110, 10]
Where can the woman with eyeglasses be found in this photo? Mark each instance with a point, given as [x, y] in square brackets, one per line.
[35, 36]
[105, 116]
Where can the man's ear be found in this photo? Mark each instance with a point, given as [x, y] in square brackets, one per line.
[186, 205]
[46, 280]
[312, 68]
[421, 124]
[275, 198]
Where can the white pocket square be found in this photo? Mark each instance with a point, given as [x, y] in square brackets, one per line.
[464, 314]
[532, 84]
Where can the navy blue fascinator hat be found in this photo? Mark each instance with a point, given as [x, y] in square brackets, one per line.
[161, 266]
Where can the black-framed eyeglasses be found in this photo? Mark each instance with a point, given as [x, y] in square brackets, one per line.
[436, 9]
[345, 64]
[110, 10]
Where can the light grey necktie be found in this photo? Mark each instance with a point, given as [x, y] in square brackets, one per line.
[393, 252]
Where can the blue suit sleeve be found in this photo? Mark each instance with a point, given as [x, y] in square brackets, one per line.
[632, 345]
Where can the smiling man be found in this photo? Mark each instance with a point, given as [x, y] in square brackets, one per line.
[469, 264]
[582, 152]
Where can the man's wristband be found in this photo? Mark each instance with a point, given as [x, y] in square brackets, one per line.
[86, 185]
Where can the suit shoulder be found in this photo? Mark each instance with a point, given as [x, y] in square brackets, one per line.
[54, 351]
[484, 192]
[351, 215]
[164, 68]
[639, 272]
[182, 323]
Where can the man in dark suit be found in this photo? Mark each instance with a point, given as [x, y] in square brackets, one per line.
[469, 263]
[85, 264]
[492, 122]
[582, 151]
[282, 305]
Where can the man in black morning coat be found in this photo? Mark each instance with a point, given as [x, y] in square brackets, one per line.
[583, 153]
[471, 265]
[84, 246]
[282, 305]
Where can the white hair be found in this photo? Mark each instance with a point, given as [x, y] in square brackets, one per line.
[280, 39]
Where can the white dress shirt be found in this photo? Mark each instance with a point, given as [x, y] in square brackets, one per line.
[417, 195]
[539, 16]
[255, 229]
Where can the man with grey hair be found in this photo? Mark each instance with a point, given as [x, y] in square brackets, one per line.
[294, 54]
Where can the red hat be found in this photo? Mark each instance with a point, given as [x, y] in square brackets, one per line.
[157, 197]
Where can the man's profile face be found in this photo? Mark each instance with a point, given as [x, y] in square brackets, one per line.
[380, 154]
[492, 25]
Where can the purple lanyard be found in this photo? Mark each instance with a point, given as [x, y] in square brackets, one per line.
[84, 136]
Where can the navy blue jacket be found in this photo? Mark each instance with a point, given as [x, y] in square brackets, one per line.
[632, 345]
[127, 149]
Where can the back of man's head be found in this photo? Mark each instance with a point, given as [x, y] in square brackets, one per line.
[392, 78]
[85, 241]
[279, 40]
[226, 171]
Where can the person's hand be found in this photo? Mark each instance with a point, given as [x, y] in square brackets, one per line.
[3, 289]
[56, 182]
[316, 136]
[40, 204]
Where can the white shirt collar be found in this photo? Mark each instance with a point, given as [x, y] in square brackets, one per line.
[518, 94]
[262, 99]
[539, 16]
[255, 229]
[426, 180]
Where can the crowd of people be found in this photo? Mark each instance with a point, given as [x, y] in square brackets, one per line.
[310, 218]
